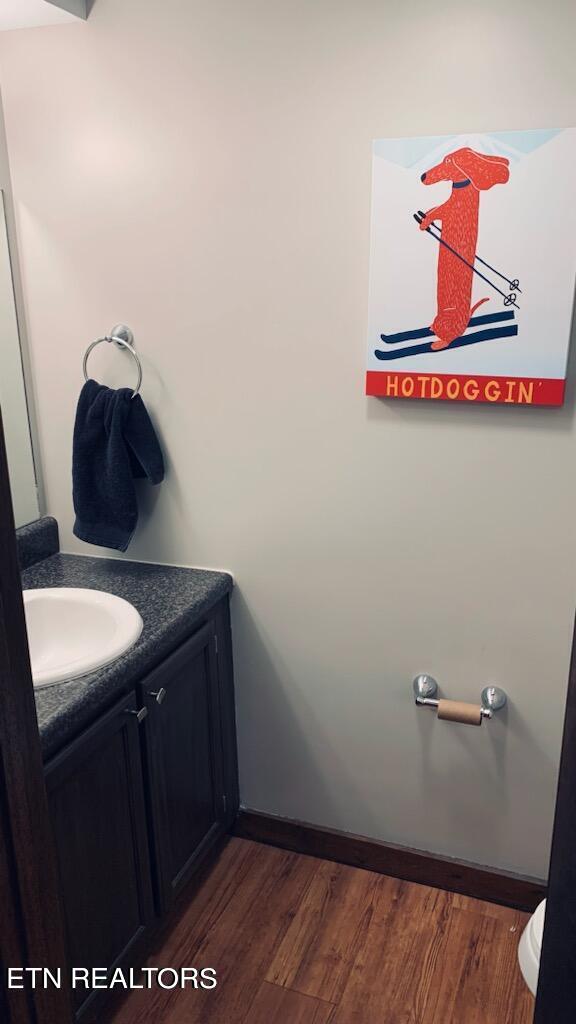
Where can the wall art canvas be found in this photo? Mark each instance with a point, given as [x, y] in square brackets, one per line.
[472, 267]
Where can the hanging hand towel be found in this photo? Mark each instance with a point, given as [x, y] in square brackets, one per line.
[114, 443]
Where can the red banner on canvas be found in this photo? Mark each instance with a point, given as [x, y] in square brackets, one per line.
[463, 388]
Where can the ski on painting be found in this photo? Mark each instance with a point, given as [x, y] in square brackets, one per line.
[471, 298]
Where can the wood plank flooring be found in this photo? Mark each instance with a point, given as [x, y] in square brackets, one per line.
[296, 940]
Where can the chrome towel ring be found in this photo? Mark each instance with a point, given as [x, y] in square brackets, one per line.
[124, 338]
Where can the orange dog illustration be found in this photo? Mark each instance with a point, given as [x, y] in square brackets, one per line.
[470, 174]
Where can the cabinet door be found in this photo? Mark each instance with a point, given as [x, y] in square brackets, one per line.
[183, 744]
[227, 710]
[96, 801]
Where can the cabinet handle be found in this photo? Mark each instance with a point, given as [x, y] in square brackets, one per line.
[140, 715]
[159, 694]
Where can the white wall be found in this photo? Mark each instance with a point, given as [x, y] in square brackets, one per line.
[207, 181]
[30, 13]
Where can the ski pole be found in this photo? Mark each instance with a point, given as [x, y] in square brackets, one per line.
[509, 300]
[514, 285]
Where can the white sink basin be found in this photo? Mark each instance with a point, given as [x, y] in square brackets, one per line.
[73, 631]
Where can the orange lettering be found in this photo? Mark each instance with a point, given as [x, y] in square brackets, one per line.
[510, 384]
[423, 382]
[526, 392]
[471, 390]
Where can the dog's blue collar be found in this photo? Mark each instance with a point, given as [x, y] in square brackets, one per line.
[461, 184]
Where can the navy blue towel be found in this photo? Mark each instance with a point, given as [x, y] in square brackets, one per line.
[114, 443]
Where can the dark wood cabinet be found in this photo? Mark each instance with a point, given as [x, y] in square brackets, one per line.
[225, 669]
[96, 802]
[184, 760]
[140, 798]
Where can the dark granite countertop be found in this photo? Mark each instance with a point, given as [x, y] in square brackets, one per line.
[172, 602]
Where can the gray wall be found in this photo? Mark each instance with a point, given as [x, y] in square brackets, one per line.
[80, 8]
[207, 180]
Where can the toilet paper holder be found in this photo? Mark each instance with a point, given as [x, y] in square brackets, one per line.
[425, 689]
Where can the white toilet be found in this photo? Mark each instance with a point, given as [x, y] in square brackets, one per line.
[530, 946]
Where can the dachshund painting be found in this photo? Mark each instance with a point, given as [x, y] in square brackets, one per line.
[470, 173]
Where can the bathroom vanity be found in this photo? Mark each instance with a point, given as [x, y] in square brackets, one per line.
[140, 758]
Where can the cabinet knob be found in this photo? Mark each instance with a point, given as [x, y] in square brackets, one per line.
[159, 694]
[140, 715]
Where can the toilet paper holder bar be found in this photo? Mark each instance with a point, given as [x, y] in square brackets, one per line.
[425, 689]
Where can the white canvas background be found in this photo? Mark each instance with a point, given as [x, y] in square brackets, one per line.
[526, 229]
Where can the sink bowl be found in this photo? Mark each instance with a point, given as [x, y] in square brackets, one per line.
[72, 631]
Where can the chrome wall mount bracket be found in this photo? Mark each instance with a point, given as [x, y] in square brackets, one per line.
[493, 698]
[425, 688]
[120, 333]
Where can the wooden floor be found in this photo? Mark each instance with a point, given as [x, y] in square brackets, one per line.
[296, 940]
